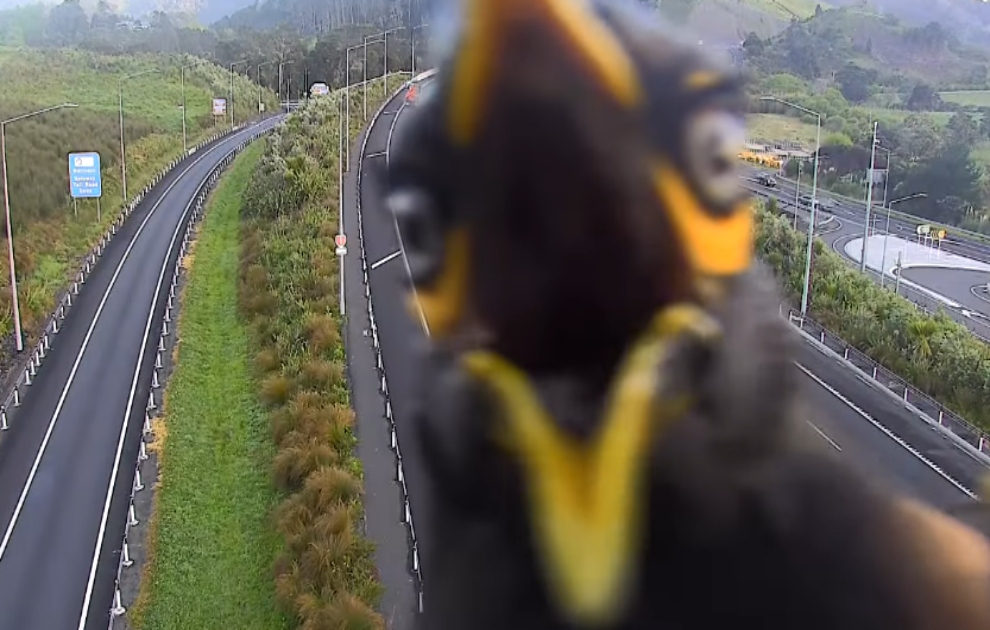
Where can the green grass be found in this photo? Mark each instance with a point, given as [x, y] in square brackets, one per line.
[971, 98]
[49, 238]
[213, 544]
[776, 127]
[787, 8]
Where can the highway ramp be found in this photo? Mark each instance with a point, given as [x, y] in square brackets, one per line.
[859, 424]
[67, 446]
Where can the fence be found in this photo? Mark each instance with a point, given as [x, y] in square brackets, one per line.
[157, 381]
[931, 410]
[53, 327]
[400, 476]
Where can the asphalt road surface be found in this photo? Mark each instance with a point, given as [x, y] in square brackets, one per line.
[67, 463]
[849, 224]
[864, 427]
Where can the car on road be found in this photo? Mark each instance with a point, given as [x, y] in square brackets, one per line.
[766, 180]
[805, 201]
[419, 88]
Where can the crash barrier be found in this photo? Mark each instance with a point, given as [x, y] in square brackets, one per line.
[43, 347]
[117, 607]
[973, 439]
[400, 477]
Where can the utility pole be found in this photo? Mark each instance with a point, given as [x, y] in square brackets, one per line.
[869, 197]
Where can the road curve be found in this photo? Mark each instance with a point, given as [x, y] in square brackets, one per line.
[860, 425]
[67, 462]
[849, 225]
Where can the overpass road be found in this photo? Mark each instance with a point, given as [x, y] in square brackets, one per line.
[67, 463]
[849, 418]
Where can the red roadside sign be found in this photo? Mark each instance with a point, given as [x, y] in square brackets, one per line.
[340, 240]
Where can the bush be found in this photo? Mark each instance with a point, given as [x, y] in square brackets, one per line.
[325, 576]
[51, 233]
[933, 353]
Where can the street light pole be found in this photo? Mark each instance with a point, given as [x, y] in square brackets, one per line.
[260, 66]
[412, 46]
[120, 103]
[340, 187]
[231, 103]
[364, 82]
[869, 197]
[347, 97]
[806, 290]
[374, 39]
[15, 305]
[280, 66]
[182, 86]
[886, 234]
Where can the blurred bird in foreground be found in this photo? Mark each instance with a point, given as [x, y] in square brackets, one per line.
[609, 413]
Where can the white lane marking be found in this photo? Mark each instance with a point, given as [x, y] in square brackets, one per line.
[388, 258]
[87, 599]
[82, 349]
[398, 234]
[824, 436]
[900, 442]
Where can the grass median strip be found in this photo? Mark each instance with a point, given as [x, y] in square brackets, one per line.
[212, 543]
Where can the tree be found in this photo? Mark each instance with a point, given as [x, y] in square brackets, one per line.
[754, 45]
[855, 82]
[924, 98]
[67, 23]
[962, 130]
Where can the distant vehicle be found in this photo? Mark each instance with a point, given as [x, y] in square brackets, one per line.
[418, 90]
[805, 200]
[766, 180]
[319, 89]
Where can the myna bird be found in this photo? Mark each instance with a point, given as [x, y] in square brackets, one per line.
[608, 415]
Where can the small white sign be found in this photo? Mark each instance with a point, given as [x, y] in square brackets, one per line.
[341, 251]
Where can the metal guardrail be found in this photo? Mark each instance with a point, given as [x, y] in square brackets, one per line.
[400, 477]
[977, 237]
[934, 411]
[15, 396]
[158, 382]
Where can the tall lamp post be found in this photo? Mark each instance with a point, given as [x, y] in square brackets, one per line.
[260, 66]
[806, 290]
[347, 97]
[6, 209]
[412, 46]
[886, 234]
[374, 39]
[280, 66]
[231, 103]
[182, 86]
[123, 153]
[869, 197]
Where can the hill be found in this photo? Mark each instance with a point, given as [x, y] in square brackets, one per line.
[894, 53]
[49, 237]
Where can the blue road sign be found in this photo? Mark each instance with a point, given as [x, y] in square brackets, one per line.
[85, 179]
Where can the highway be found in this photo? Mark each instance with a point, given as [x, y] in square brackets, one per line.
[67, 463]
[851, 419]
[849, 224]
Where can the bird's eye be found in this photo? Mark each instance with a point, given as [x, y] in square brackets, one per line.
[713, 142]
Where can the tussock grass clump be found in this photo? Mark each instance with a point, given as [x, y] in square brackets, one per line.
[325, 576]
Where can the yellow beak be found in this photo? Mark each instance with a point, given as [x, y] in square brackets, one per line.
[587, 502]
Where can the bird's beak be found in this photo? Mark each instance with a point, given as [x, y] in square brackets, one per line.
[587, 501]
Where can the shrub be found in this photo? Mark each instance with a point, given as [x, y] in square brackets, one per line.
[932, 352]
[325, 576]
[275, 390]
